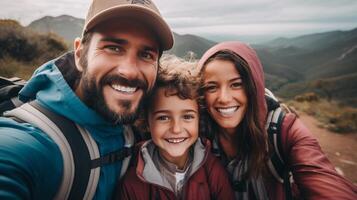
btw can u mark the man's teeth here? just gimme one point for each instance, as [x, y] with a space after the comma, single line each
[123, 88]
[175, 141]
[227, 111]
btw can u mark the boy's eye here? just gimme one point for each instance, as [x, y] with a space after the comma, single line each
[188, 117]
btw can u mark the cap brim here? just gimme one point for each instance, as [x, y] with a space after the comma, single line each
[142, 14]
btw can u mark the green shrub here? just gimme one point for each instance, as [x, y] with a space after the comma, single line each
[22, 50]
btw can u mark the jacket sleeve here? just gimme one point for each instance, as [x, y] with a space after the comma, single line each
[30, 163]
[313, 173]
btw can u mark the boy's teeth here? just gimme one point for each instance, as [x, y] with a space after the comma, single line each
[123, 88]
[178, 140]
[227, 111]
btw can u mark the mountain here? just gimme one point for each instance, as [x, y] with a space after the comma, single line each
[70, 27]
[329, 58]
[190, 43]
[22, 49]
[291, 65]
[66, 26]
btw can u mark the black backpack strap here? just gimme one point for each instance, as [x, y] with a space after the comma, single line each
[9, 89]
[112, 157]
[79, 149]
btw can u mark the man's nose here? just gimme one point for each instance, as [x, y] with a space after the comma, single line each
[128, 67]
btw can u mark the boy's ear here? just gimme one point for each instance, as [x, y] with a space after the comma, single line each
[78, 50]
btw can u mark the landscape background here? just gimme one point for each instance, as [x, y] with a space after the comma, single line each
[314, 72]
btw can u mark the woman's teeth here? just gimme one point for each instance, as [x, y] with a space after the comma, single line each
[227, 111]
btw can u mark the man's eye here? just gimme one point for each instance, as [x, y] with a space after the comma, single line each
[113, 48]
[147, 56]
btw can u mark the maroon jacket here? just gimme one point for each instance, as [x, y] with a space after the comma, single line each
[314, 175]
[210, 181]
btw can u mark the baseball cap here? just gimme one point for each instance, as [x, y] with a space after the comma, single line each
[144, 11]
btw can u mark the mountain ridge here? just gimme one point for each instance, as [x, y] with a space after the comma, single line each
[288, 62]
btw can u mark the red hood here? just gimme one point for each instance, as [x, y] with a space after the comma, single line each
[250, 56]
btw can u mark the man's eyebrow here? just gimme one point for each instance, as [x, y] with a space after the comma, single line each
[124, 42]
[114, 40]
[150, 48]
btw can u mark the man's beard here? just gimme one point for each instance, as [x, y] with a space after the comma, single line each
[93, 97]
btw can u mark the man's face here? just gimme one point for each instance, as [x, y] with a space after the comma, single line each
[118, 70]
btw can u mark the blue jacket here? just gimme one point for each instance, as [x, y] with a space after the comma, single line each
[30, 162]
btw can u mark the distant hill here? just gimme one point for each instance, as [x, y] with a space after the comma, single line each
[329, 57]
[22, 50]
[70, 27]
[291, 65]
[66, 26]
[190, 43]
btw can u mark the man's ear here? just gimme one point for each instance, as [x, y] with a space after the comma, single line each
[78, 50]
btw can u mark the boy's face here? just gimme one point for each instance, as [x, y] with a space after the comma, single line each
[173, 124]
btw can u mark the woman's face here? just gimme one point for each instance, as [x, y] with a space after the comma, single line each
[225, 97]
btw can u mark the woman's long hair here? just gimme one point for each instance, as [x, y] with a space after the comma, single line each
[251, 137]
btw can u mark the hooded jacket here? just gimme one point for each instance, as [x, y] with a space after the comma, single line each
[30, 162]
[314, 175]
[206, 180]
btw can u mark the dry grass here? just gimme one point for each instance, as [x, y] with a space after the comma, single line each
[332, 115]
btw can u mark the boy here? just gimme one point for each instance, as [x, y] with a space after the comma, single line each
[175, 163]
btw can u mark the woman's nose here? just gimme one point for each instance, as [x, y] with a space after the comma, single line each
[224, 96]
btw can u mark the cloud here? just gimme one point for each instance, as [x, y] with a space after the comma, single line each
[235, 17]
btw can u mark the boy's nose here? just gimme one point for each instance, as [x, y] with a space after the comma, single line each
[176, 126]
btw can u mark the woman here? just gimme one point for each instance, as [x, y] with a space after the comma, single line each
[233, 91]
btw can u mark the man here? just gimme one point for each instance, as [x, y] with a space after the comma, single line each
[99, 86]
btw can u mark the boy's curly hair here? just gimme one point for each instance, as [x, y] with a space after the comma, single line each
[178, 76]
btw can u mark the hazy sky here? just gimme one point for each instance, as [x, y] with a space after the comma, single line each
[215, 18]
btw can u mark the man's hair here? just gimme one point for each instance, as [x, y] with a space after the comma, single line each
[179, 77]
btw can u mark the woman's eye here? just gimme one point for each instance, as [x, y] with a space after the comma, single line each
[237, 85]
[162, 118]
[210, 88]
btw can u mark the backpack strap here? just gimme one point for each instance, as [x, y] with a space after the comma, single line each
[78, 149]
[130, 140]
[273, 127]
[277, 165]
[72, 146]
[9, 89]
